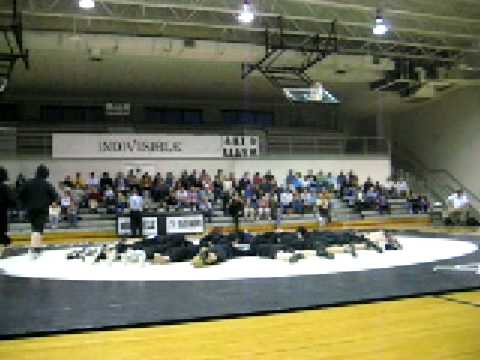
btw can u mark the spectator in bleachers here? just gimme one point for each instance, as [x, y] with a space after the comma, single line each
[322, 180]
[147, 182]
[54, 213]
[323, 204]
[383, 205]
[371, 199]
[205, 207]
[244, 182]
[20, 181]
[269, 177]
[72, 213]
[169, 179]
[341, 182]
[458, 207]
[309, 200]
[94, 199]
[260, 194]
[332, 182]
[132, 179]
[110, 199]
[160, 191]
[352, 179]
[257, 179]
[67, 182]
[402, 188]
[181, 196]
[105, 181]
[157, 178]
[297, 204]
[78, 182]
[122, 202]
[367, 185]
[65, 201]
[264, 212]
[92, 181]
[120, 183]
[286, 198]
[290, 178]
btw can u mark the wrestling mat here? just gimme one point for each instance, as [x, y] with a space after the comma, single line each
[54, 295]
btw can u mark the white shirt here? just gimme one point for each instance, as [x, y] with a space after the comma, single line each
[402, 186]
[92, 181]
[459, 202]
[54, 211]
[136, 202]
[286, 198]
[227, 185]
[65, 201]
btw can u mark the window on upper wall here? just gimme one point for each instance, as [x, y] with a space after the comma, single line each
[247, 117]
[72, 113]
[8, 112]
[174, 116]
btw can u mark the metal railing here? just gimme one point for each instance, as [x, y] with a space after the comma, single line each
[37, 142]
[329, 145]
[440, 183]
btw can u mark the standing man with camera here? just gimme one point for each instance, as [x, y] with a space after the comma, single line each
[36, 196]
[7, 201]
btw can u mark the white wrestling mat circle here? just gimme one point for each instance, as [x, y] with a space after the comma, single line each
[52, 264]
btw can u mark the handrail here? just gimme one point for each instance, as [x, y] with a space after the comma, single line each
[426, 169]
[459, 183]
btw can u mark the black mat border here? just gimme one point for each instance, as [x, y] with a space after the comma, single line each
[226, 316]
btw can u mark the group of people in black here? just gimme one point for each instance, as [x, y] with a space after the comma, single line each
[217, 247]
[35, 195]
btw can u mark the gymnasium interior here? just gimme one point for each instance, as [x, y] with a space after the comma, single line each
[239, 179]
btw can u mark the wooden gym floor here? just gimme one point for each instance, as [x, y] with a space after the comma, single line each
[435, 327]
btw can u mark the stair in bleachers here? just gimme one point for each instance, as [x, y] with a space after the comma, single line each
[370, 213]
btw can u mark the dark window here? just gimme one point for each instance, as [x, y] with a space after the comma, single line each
[72, 113]
[8, 112]
[247, 117]
[173, 116]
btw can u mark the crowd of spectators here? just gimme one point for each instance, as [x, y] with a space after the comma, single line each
[252, 196]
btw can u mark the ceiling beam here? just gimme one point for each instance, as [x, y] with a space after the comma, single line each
[312, 19]
[233, 26]
[388, 11]
[320, 3]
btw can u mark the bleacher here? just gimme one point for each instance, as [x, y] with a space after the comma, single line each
[340, 212]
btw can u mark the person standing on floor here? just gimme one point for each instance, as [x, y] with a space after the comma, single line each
[36, 196]
[236, 210]
[136, 208]
[7, 201]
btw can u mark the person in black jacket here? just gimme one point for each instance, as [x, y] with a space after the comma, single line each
[7, 201]
[36, 196]
[236, 209]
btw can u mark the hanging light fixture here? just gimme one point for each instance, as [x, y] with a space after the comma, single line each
[86, 4]
[380, 27]
[246, 14]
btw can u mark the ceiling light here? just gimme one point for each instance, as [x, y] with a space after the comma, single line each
[246, 15]
[380, 27]
[86, 4]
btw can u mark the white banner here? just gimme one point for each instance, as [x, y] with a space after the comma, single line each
[117, 109]
[135, 146]
[185, 224]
